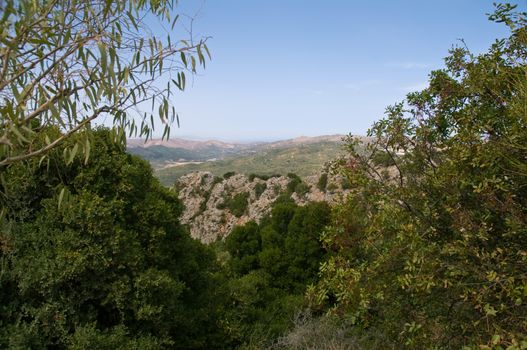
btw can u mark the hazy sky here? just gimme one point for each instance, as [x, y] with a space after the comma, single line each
[285, 68]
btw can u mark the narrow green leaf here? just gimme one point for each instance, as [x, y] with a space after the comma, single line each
[87, 149]
[165, 132]
[61, 196]
[104, 58]
[41, 160]
[207, 50]
[20, 137]
[165, 108]
[160, 112]
[193, 63]
[174, 21]
[200, 56]
[184, 58]
[73, 153]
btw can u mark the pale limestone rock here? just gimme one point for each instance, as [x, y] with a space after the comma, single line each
[202, 193]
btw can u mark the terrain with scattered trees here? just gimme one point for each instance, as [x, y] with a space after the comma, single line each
[428, 251]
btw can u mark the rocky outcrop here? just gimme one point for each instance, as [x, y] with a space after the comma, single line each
[213, 206]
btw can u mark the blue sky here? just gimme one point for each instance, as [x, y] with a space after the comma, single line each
[285, 68]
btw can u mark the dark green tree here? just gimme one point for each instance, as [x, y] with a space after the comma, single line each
[322, 182]
[243, 244]
[94, 255]
[302, 248]
[270, 266]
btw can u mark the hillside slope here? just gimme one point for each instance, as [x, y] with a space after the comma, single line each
[303, 160]
[175, 151]
[213, 205]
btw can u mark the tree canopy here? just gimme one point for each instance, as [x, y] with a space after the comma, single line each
[67, 63]
[430, 249]
[95, 255]
[269, 266]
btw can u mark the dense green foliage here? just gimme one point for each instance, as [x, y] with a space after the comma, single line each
[294, 182]
[262, 177]
[236, 204]
[229, 174]
[269, 267]
[322, 183]
[431, 252]
[259, 188]
[296, 185]
[94, 255]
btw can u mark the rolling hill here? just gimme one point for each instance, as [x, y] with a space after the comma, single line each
[304, 156]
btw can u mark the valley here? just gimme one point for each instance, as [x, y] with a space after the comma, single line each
[303, 156]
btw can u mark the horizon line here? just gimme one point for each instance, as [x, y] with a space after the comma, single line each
[237, 140]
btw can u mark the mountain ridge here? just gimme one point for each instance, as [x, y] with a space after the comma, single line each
[304, 155]
[180, 143]
[197, 144]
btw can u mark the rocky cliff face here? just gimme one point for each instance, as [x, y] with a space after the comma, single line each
[215, 205]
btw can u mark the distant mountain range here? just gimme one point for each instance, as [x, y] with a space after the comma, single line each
[302, 155]
[185, 144]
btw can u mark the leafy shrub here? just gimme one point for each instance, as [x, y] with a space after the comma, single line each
[283, 198]
[236, 204]
[271, 264]
[243, 244]
[296, 185]
[322, 182]
[429, 256]
[203, 180]
[259, 188]
[331, 187]
[229, 174]
[203, 204]
[302, 189]
[345, 183]
[216, 180]
[383, 158]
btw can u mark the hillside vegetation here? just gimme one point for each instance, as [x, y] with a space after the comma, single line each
[433, 255]
[302, 159]
[161, 156]
[162, 153]
[94, 257]
[215, 205]
[428, 250]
